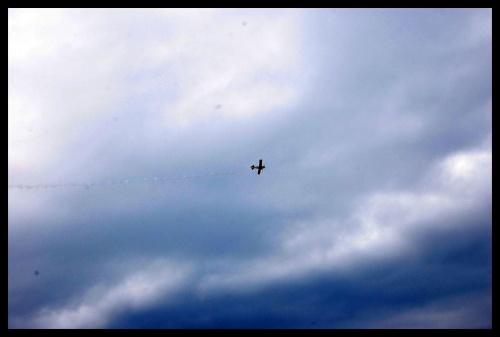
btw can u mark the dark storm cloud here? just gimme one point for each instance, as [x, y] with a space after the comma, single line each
[373, 296]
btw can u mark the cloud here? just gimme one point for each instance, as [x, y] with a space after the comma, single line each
[466, 311]
[217, 61]
[154, 282]
[374, 209]
[382, 225]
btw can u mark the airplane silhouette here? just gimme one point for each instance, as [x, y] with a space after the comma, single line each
[260, 167]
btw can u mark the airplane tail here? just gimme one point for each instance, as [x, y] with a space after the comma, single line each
[252, 167]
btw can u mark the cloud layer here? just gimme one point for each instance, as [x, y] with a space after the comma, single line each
[374, 210]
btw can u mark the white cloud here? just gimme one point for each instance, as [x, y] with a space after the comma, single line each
[71, 70]
[63, 74]
[220, 61]
[380, 226]
[150, 283]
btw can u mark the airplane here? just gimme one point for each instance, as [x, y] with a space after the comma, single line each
[260, 167]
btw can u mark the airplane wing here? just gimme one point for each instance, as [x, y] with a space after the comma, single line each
[260, 166]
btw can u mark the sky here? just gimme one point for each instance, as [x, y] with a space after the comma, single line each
[132, 205]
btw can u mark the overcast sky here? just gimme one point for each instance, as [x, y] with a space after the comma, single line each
[131, 202]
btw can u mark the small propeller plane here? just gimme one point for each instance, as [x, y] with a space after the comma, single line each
[260, 167]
